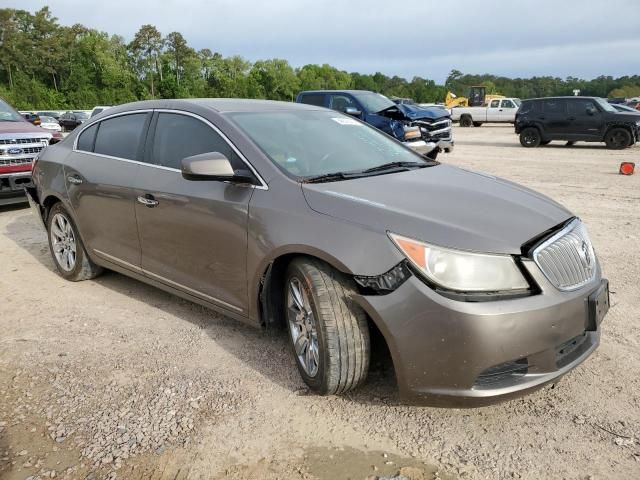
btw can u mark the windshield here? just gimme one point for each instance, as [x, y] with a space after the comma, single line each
[311, 143]
[373, 102]
[8, 114]
[605, 105]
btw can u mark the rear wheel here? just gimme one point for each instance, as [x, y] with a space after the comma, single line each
[66, 247]
[328, 331]
[466, 121]
[530, 137]
[618, 138]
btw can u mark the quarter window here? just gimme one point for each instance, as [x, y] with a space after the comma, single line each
[87, 137]
[121, 136]
[180, 136]
[316, 99]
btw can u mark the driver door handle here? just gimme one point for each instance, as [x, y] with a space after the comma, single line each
[148, 201]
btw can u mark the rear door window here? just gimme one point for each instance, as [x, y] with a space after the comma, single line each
[316, 99]
[121, 136]
[554, 106]
[179, 136]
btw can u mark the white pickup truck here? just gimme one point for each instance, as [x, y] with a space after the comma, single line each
[499, 110]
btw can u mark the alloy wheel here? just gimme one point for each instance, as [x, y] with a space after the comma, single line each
[63, 242]
[302, 325]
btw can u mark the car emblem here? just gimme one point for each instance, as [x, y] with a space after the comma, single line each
[14, 151]
[585, 254]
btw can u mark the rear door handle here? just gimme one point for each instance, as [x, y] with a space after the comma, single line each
[148, 201]
[75, 179]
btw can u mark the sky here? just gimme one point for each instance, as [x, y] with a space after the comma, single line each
[425, 38]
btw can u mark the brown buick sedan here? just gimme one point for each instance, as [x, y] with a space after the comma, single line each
[283, 213]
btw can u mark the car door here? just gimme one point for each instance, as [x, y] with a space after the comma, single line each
[493, 111]
[507, 112]
[554, 119]
[193, 234]
[99, 174]
[585, 119]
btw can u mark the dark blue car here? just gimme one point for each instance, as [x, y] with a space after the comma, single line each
[425, 129]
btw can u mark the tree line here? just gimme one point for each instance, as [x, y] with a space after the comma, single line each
[46, 65]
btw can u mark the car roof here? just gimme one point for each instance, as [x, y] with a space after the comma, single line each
[220, 105]
[561, 98]
[353, 92]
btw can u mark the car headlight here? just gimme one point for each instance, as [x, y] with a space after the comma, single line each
[462, 271]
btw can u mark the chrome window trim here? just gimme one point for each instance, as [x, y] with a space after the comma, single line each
[263, 185]
[552, 239]
[162, 279]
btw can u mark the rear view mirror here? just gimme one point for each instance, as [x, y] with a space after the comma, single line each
[213, 166]
[352, 111]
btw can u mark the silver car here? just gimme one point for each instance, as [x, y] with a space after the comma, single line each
[289, 214]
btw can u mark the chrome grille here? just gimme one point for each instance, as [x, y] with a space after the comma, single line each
[19, 141]
[15, 161]
[26, 150]
[567, 258]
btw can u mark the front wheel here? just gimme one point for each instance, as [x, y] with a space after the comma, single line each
[328, 331]
[530, 137]
[618, 138]
[66, 247]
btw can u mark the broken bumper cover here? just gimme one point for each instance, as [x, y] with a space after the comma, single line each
[12, 187]
[453, 353]
[421, 146]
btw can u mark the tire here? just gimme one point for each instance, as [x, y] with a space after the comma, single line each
[433, 154]
[545, 142]
[618, 138]
[466, 121]
[530, 137]
[63, 234]
[342, 344]
[477, 124]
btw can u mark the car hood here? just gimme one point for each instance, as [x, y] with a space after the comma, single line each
[414, 112]
[442, 205]
[21, 127]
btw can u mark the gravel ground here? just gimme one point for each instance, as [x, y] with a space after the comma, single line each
[115, 379]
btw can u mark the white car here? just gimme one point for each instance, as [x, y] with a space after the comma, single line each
[50, 123]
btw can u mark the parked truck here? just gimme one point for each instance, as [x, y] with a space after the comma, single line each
[20, 142]
[498, 110]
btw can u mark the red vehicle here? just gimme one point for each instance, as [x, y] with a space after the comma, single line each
[20, 142]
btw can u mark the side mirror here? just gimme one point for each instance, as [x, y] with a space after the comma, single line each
[352, 111]
[591, 110]
[213, 166]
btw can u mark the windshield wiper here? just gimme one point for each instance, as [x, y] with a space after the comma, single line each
[400, 166]
[331, 177]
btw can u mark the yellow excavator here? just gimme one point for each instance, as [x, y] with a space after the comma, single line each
[477, 98]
